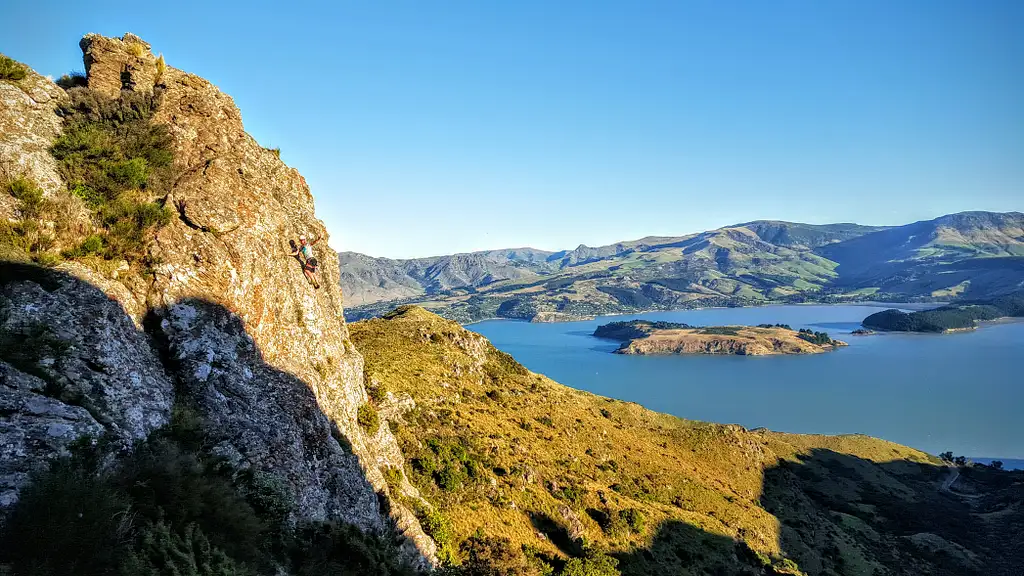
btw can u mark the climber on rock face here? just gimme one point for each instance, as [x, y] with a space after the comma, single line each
[304, 254]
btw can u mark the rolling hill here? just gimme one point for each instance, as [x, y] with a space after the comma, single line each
[975, 254]
[524, 472]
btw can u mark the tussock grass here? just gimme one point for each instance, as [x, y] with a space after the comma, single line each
[493, 447]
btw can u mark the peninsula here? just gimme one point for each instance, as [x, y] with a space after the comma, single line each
[952, 318]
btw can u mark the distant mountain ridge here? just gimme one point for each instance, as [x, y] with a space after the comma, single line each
[977, 254]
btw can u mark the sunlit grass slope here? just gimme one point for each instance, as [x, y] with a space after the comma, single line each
[504, 452]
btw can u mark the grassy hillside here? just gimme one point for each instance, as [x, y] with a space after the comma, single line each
[534, 472]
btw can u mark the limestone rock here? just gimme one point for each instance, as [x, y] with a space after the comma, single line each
[225, 313]
[104, 363]
[115, 64]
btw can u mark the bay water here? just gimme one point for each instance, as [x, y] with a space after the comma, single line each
[936, 392]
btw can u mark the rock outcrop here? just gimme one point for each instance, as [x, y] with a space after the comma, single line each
[94, 372]
[28, 127]
[262, 357]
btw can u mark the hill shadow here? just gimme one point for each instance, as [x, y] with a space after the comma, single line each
[254, 417]
[844, 515]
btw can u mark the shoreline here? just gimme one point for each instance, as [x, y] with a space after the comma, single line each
[873, 304]
[979, 324]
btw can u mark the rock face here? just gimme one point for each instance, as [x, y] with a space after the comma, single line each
[734, 340]
[263, 357]
[94, 370]
[27, 128]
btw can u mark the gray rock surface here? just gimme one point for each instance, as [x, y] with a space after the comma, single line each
[33, 429]
[95, 372]
[28, 127]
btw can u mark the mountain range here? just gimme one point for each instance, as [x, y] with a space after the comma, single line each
[969, 254]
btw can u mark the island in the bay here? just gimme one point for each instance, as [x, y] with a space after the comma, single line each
[952, 318]
[644, 337]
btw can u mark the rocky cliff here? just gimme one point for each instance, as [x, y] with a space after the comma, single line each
[217, 317]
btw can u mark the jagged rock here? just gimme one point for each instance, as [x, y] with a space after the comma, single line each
[105, 364]
[266, 418]
[114, 64]
[573, 526]
[395, 406]
[96, 373]
[33, 429]
[28, 127]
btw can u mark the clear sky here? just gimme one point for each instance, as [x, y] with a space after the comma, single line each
[428, 127]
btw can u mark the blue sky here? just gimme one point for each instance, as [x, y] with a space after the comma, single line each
[431, 127]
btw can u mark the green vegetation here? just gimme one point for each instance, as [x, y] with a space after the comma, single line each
[783, 326]
[524, 476]
[168, 507]
[631, 329]
[117, 165]
[440, 529]
[26, 238]
[445, 465]
[72, 80]
[819, 338]
[720, 330]
[493, 556]
[959, 316]
[368, 418]
[11, 69]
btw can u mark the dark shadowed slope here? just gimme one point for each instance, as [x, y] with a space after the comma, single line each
[796, 235]
[983, 250]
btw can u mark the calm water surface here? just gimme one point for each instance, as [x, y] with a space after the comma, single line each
[962, 392]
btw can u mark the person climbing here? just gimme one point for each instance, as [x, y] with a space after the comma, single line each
[304, 254]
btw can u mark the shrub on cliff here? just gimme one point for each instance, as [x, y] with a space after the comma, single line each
[72, 80]
[26, 238]
[440, 529]
[324, 549]
[593, 563]
[120, 164]
[368, 418]
[11, 69]
[494, 556]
